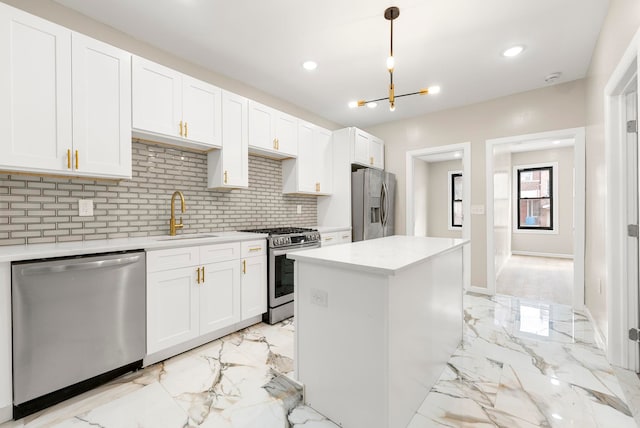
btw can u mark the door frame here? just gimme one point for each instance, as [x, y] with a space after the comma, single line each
[622, 307]
[578, 136]
[411, 157]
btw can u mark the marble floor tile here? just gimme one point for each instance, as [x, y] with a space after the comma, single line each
[522, 364]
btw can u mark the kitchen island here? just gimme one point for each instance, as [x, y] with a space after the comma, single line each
[376, 322]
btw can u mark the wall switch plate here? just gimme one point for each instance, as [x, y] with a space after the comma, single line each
[319, 297]
[85, 207]
[299, 209]
[477, 209]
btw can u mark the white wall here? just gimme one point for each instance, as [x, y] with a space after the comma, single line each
[502, 185]
[420, 201]
[438, 199]
[560, 243]
[620, 25]
[559, 106]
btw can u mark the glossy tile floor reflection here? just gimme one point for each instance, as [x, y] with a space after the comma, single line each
[522, 363]
[538, 278]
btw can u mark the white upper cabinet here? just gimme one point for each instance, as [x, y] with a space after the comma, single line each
[228, 168]
[64, 100]
[366, 149]
[272, 133]
[101, 108]
[174, 108]
[311, 171]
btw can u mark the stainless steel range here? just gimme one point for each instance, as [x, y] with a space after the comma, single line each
[283, 240]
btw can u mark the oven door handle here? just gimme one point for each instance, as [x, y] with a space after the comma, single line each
[283, 251]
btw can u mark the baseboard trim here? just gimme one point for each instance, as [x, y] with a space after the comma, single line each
[6, 413]
[550, 255]
[599, 337]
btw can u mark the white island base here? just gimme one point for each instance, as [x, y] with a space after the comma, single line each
[376, 322]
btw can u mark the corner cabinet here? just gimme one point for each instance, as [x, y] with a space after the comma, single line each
[171, 107]
[272, 133]
[65, 100]
[311, 172]
[366, 149]
[229, 167]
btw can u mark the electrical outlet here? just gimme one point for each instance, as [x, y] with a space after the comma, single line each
[299, 209]
[319, 297]
[85, 207]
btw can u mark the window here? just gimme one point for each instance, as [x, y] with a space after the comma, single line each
[535, 198]
[455, 199]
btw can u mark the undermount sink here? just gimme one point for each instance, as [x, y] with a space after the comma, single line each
[188, 236]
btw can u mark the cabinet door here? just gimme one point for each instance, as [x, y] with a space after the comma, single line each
[172, 308]
[219, 296]
[201, 111]
[35, 93]
[254, 286]
[157, 98]
[235, 157]
[376, 153]
[261, 126]
[286, 134]
[101, 108]
[307, 162]
[323, 155]
[361, 148]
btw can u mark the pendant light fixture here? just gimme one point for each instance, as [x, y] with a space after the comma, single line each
[390, 14]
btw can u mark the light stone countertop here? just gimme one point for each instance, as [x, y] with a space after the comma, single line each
[62, 249]
[329, 229]
[384, 256]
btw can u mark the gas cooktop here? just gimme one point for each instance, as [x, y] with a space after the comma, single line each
[287, 236]
[281, 230]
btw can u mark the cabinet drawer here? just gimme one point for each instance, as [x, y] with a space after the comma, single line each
[172, 258]
[344, 236]
[219, 252]
[330, 238]
[254, 248]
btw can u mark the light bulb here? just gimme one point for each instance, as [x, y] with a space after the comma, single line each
[372, 104]
[391, 62]
[392, 107]
[434, 89]
[353, 104]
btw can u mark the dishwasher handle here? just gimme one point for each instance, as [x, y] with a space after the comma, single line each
[79, 266]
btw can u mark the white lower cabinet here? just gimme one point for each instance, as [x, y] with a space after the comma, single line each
[254, 278]
[195, 291]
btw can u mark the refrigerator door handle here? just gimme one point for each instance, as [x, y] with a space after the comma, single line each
[384, 204]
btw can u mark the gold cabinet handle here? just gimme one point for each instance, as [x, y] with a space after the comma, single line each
[371, 160]
[275, 143]
[202, 273]
[181, 128]
[346, 236]
[77, 163]
[317, 187]
[198, 280]
[329, 238]
[253, 249]
[244, 266]
[68, 158]
[186, 129]
[226, 176]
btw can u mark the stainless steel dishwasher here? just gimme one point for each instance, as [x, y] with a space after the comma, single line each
[77, 322]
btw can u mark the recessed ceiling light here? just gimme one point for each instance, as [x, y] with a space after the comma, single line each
[372, 104]
[513, 51]
[551, 78]
[310, 65]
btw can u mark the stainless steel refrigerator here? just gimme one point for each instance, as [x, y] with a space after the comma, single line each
[372, 203]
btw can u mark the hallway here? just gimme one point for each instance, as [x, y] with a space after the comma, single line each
[538, 278]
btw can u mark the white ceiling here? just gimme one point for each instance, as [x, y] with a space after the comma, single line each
[456, 44]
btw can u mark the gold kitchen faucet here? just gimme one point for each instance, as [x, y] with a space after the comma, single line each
[172, 222]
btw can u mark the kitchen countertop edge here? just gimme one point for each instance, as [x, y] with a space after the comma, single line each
[12, 253]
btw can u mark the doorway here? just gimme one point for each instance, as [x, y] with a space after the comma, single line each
[508, 228]
[446, 214]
